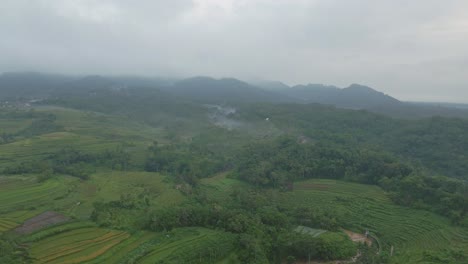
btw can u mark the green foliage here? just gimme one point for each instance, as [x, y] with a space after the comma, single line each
[275, 163]
[11, 253]
[328, 246]
[279, 162]
[185, 163]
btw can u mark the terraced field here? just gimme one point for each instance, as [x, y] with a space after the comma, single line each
[85, 131]
[82, 243]
[13, 125]
[109, 186]
[76, 246]
[6, 224]
[25, 194]
[364, 207]
[197, 245]
[13, 219]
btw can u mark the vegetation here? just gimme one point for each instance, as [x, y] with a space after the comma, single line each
[150, 177]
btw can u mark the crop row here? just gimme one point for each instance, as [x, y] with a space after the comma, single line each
[366, 207]
[77, 245]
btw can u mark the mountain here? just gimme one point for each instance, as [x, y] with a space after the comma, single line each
[269, 85]
[207, 89]
[29, 84]
[360, 97]
[355, 96]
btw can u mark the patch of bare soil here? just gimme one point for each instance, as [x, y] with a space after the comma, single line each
[360, 238]
[40, 221]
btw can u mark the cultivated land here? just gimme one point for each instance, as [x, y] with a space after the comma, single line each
[365, 207]
[411, 232]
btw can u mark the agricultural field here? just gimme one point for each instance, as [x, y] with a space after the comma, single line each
[220, 186]
[76, 246]
[23, 196]
[85, 243]
[85, 131]
[411, 232]
[192, 245]
[111, 185]
[13, 125]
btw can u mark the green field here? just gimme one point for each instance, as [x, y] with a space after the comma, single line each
[25, 194]
[194, 245]
[82, 243]
[409, 231]
[76, 246]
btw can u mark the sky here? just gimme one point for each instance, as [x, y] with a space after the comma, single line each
[413, 50]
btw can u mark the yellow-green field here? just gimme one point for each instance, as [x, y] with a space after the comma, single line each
[75, 243]
[76, 246]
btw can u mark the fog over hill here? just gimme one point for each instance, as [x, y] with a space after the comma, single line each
[31, 85]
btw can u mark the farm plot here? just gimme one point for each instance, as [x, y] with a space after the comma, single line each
[11, 220]
[24, 194]
[109, 186]
[76, 246]
[192, 245]
[40, 221]
[7, 224]
[122, 250]
[80, 242]
[220, 186]
[362, 207]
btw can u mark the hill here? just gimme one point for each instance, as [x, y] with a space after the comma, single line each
[363, 97]
[206, 89]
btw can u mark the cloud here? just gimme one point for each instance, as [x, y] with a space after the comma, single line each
[411, 49]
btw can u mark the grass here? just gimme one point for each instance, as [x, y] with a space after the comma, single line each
[220, 186]
[362, 207]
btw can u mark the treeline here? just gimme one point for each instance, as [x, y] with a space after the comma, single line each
[279, 162]
[73, 162]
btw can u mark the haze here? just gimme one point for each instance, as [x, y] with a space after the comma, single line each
[413, 50]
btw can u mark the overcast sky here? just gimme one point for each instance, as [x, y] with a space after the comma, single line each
[413, 50]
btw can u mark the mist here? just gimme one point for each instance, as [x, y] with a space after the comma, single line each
[414, 50]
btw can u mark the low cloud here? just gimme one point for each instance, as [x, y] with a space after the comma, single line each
[415, 50]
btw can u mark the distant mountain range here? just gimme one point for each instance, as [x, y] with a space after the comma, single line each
[226, 90]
